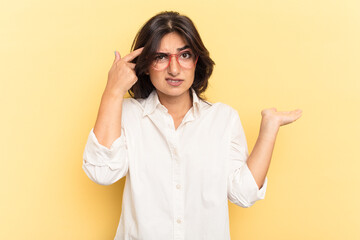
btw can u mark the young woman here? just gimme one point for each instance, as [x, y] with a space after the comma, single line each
[182, 156]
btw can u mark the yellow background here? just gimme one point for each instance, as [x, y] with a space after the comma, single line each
[55, 56]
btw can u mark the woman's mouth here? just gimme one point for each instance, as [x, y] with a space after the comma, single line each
[174, 82]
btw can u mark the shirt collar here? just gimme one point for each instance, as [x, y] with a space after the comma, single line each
[152, 102]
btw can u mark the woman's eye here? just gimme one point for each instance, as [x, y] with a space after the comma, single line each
[186, 55]
[160, 57]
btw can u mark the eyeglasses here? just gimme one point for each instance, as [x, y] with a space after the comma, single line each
[185, 58]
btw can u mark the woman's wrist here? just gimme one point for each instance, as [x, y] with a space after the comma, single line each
[114, 96]
[269, 128]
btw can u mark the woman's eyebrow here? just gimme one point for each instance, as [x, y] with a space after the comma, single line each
[179, 49]
[182, 48]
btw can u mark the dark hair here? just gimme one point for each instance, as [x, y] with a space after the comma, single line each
[149, 37]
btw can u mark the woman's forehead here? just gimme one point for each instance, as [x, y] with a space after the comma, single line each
[172, 42]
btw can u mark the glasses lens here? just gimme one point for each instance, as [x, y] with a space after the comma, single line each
[185, 59]
[161, 61]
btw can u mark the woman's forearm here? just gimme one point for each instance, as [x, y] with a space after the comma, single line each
[108, 123]
[260, 157]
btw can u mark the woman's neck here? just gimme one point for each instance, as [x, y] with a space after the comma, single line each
[177, 106]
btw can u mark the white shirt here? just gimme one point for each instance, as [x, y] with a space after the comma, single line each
[178, 182]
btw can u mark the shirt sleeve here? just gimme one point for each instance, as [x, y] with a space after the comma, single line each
[242, 188]
[105, 165]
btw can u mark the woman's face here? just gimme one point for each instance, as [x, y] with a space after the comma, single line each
[175, 80]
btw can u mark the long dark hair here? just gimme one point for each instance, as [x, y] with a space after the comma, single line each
[149, 37]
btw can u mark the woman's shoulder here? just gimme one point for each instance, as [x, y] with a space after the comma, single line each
[129, 101]
[131, 108]
[222, 108]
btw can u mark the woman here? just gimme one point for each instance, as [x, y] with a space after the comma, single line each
[182, 156]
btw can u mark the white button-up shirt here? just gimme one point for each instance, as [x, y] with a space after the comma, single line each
[178, 181]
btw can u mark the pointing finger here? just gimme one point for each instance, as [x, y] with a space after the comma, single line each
[117, 56]
[133, 55]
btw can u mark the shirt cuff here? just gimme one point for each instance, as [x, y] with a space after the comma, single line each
[99, 155]
[252, 187]
[243, 188]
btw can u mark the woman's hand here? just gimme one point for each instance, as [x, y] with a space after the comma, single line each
[278, 118]
[121, 76]
[272, 120]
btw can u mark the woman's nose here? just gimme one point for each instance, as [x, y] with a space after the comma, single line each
[174, 67]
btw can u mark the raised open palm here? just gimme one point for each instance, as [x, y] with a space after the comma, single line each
[281, 117]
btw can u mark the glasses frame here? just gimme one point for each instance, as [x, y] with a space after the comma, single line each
[177, 59]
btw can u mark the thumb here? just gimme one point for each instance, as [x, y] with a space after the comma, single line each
[117, 56]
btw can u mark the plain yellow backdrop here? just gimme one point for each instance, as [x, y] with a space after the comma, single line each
[55, 56]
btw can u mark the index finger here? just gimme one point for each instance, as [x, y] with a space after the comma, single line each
[133, 55]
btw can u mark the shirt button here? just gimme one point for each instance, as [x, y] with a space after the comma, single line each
[178, 221]
[178, 186]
